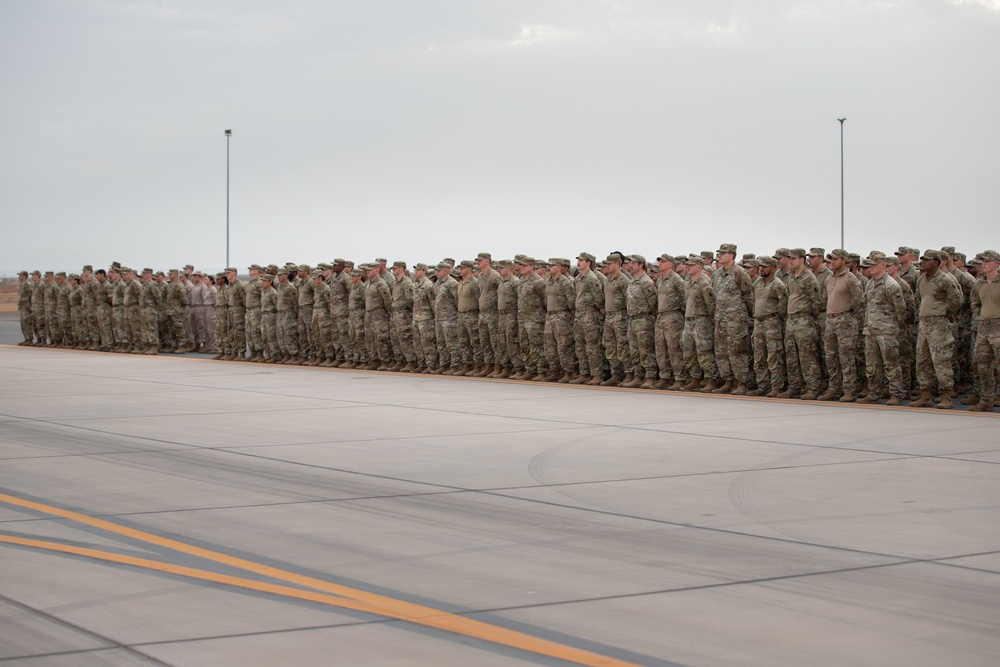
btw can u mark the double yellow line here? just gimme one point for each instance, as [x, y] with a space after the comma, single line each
[323, 592]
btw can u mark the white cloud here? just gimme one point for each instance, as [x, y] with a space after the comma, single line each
[533, 34]
[988, 4]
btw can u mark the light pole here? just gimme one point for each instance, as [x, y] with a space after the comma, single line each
[841, 181]
[229, 134]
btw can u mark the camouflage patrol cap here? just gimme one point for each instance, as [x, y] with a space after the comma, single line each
[613, 257]
[989, 256]
[160, 273]
[443, 266]
[255, 267]
[147, 270]
[315, 273]
[74, 276]
[752, 263]
[766, 260]
[399, 264]
[796, 253]
[949, 249]
[932, 254]
[748, 255]
[638, 258]
[61, 274]
[959, 256]
[127, 269]
[853, 257]
[587, 256]
[172, 271]
[322, 266]
[304, 267]
[484, 255]
[654, 268]
[876, 257]
[866, 263]
[189, 266]
[540, 264]
[505, 264]
[292, 265]
[49, 273]
[419, 266]
[839, 253]
[88, 267]
[116, 265]
[554, 261]
[22, 273]
[339, 261]
[365, 266]
[817, 252]
[272, 267]
[282, 271]
[564, 261]
[357, 271]
[695, 260]
[449, 260]
[666, 258]
[197, 274]
[518, 257]
[727, 247]
[466, 264]
[232, 269]
[708, 254]
[891, 260]
[348, 264]
[220, 274]
[267, 277]
[781, 252]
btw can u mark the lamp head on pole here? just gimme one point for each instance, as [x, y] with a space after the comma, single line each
[840, 119]
[229, 133]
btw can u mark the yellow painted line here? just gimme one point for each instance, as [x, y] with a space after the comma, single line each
[343, 596]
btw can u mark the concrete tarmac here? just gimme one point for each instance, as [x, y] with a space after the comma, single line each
[173, 510]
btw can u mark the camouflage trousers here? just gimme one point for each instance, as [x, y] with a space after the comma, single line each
[209, 327]
[425, 343]
[288, 332]
[322, 332]
[306, 343]
[821, 349]
[118, 328]
[105, 335]
[468, 337]
[587, 339]
[615, 339]
[802, 354]
[27, 323]
[962, 361]
[150, 323]
[356, 332]
[66, 328]
[907, 356]
[222, 329]
[93, 328]
[732, 347]
[935, 349]
[39, 330]
[402, 336]
[882, 360]
[841, 343]
[489, 335]
[667, 341]
[255, 331]
[508, 341]
[448, 347]
[133, 327]
[769, 353]
[175, 328]
[859, 354]
[560, 350]
[52, 326]
[340, 320]
[377, 335]
[269, 335]
[641, 345]
[531, 334]
[237, 331]
[987, 358]
[698, 346]
[191, 324]
[79, 327]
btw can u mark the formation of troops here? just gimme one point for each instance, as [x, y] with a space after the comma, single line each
[923, 328]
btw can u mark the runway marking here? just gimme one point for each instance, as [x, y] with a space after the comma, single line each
[331, 593]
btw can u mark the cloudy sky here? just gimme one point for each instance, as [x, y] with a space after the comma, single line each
[418, 129]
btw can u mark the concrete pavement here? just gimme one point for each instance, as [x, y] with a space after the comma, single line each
[180, 511]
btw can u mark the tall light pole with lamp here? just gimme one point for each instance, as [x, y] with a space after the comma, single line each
[841, 181]
[229, 134]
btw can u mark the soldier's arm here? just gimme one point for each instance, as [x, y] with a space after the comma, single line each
[899, 303]
[651, 299]
[975, 300]
[857, 294]
[782, 301]
[955, 298]
[746, 287]
[709, 295]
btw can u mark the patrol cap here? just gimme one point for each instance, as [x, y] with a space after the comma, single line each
[727, 247]
[127, 269]
[518, 257]
[564, 261]
[505, 264]
[196, 273]
[466, 264]
[115, 265]
[22, 273]
[147, 270]
[853, 257]
[49, 273]
[315, 273]
[267, 277]
[695, 260]
[554, 261]
[419, 266]
[348, 264]
[88, 267]
[932, 254]
[74, 276]
[322, 266]
[524, 260]
[891, 260]
[540, 264]
[639, 258]
[399, 264]
[443, 265]
[305, 267]
[876, 257]
[173, 271]
[748, 255]
[189, 266]
[959, 256]
[292, 265]
[782, 252]
[484, 255]
[255, 267]
[817, 252]
[36, 272]
[866, 263]
[796, 253]
[232, 269]
[220, 274]
[357, 272]
[449, 260]
[161, 273]
[666, 258]
[339, 261]
[61, 274]
[367, 267]
[766, 260]
[272, 267]
[282, 271]
[990, 256]
[839, 253]
[752, 263]
[906, 250]
[708, 254]
[613, 257]
[949, 249]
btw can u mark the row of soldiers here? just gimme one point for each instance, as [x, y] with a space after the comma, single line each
[794, 324]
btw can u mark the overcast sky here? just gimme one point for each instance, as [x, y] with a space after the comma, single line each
[415, 130]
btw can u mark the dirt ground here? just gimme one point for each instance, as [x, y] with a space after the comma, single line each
[8, 296]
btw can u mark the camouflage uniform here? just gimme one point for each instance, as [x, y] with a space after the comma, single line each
[150, 300]
[670, 327]
[77, 313]
[51, 319]
[698, 340]
[489, 316]
[402, 322]
[846, 298]
[640, 305]
[307, 346]
[560, 301]
[340, 311]
[288, 318]
[885, 311]
[468, 322]
[963, 330]
[269, 322]
[24, 310]
[615, 336]
[133, 315]
[378, 301]
[119, 330]
[446, 323]
[356, 330]
[985, 299]
[176, 302]
[238, 319]
[508, 343]
[254, 328]
[40, 332]
[907, 338]
[531, 323]
[211, 315]
[64, 314]
[802, 338]
[589, 299]
[322, 323]
[938, 300]
[769, 312]
[424, 340]
[734, 302]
